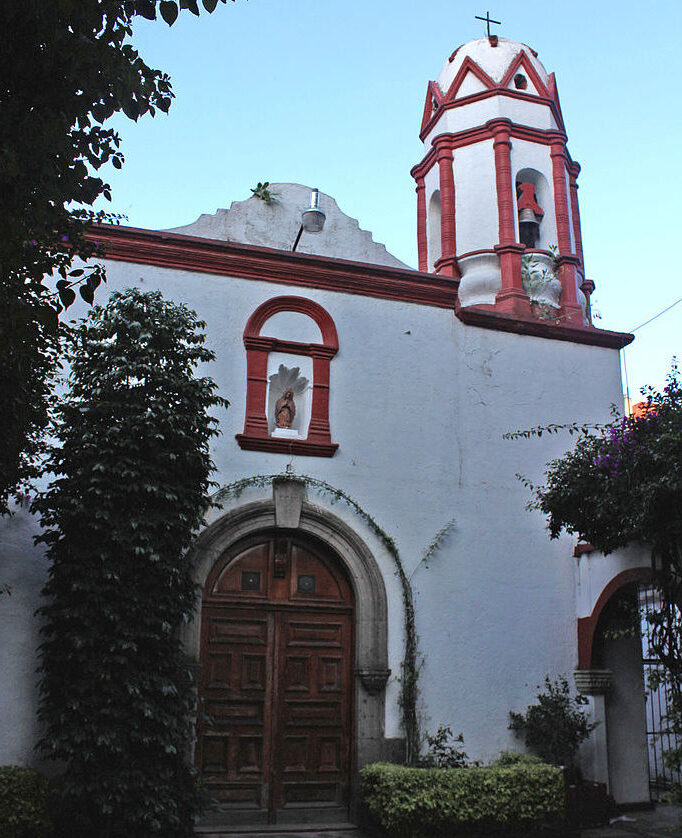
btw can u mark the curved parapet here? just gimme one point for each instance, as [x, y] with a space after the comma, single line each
[276, 223]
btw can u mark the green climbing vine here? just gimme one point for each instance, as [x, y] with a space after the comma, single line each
[433, 547]
[410, 674]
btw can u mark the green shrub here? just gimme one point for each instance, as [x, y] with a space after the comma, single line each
[555, 726]
[24, 797]
[507, 758]
[445, 750]
[461, 801]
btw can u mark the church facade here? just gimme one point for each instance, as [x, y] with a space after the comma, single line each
[369, 497]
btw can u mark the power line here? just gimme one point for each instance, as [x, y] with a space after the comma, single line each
[656, 316]
[622, 352]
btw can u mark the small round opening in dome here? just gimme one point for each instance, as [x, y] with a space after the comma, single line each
[520, 81]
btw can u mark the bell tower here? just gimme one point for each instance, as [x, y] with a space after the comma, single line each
[497, 189]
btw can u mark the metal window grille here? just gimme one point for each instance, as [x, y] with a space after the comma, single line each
[659, 737]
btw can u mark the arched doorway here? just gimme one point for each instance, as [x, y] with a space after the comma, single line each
[610, 671]
[276, 681]
[618, 650]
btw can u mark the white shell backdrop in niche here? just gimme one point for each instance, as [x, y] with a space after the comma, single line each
[289, 377]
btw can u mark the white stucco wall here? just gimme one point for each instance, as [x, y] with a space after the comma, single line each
[23, 569]
[470, 84]
[419, 403]
[594, 571]
[476, 212]
[477, 113]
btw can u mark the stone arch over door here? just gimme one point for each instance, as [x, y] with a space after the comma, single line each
[371, 611]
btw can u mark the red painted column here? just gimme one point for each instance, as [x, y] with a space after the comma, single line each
[318, 429]
[587, 288]
[447, 264]
[422, 242]
[568, 261]
[255, 422]
[574, 171]
[511, 299]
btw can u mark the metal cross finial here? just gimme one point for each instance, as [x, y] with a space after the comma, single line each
[488, 20]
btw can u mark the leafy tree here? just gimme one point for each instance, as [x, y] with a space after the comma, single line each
[66, 66]
[132, 474]
[29, 352]
[623, 485]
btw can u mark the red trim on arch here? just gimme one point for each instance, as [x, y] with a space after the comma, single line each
[301, 305]
[522, 60]
[554, 93]
[587, 626]
[432, 92]
[468, 66]
[256, 435]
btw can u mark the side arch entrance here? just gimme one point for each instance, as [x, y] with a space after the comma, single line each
[276, 684]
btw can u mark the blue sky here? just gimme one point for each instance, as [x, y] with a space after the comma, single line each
[331, 95]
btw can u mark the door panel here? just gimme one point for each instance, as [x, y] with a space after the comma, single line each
[276, 681]
[234, 692]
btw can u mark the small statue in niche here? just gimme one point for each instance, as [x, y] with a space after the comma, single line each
[285, 409]
[286, 379]
[530, 214]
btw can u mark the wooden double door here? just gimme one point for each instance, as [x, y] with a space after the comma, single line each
[276, 683]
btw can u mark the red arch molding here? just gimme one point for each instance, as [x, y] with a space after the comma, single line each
[587, 626]
[256, 436]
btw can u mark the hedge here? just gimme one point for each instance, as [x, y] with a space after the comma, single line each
[412, 802]
[24, 797]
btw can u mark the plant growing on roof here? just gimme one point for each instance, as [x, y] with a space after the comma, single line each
[263, 191]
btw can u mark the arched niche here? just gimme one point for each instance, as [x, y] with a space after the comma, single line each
[265, 354]
[545, 199]
[435, 249]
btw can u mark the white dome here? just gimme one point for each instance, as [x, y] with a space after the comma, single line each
[494, 61]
